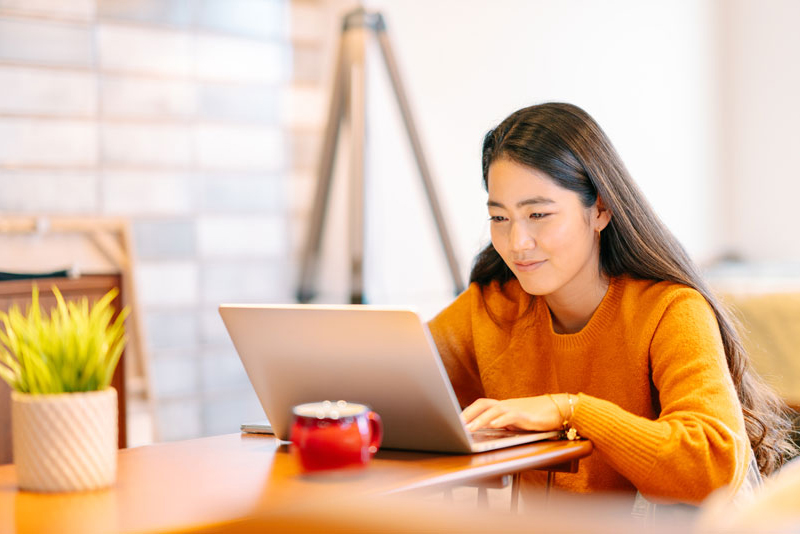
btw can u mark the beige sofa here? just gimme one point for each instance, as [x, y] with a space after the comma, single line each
[770, 328]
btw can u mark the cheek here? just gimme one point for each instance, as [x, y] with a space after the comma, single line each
[497, 240]
[570, 241]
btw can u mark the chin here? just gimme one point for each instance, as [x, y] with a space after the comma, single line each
[535, 287]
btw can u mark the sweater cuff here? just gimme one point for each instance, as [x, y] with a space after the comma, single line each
[629, 442]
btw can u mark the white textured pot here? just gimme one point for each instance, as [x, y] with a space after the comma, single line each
[65, 442]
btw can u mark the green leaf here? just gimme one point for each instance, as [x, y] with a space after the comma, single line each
[75, 348]
[9, 376]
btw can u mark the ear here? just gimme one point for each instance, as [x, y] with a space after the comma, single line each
[601, 215]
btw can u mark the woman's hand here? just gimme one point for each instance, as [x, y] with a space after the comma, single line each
[527, 413]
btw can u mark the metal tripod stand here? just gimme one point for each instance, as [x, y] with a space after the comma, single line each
[348, 102]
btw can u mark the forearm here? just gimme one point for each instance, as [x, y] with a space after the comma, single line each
[683, 457]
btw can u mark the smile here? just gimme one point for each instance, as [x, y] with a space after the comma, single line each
[527, 266]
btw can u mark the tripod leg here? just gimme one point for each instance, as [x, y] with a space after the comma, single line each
[305, 291]
[416, 145]
[356, 48]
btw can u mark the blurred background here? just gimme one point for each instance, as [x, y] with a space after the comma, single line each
[200, 123]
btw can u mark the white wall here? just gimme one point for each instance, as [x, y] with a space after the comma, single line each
[644, 70]
[761, 140]
[169, 114]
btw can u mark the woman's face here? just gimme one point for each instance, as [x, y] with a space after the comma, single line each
[542, 231]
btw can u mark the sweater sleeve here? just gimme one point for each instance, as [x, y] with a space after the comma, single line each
[452, 332]
[698, 443]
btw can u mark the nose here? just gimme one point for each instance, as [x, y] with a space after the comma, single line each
[521, 239]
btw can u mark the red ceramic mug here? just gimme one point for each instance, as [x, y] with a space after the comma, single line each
[333, 435]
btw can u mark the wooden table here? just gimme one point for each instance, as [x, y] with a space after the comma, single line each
[197, 484]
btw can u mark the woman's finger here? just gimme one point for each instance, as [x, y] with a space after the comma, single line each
[486, 417]
[476, 408]
[508, 419]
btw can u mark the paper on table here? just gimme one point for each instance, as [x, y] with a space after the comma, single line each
[257, 427]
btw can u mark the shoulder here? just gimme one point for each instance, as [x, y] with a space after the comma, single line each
[658, 293]
[494, 302]
[653, 300]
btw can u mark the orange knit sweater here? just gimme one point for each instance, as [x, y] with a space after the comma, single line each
[655, 395]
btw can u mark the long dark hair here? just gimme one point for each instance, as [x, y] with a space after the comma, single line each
[564, 142]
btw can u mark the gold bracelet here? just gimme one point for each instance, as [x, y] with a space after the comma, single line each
[572, 433]
[564, 422]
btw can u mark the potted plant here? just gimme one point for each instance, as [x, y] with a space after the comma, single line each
[63, 410]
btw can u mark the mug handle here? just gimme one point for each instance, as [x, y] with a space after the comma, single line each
[376, 432]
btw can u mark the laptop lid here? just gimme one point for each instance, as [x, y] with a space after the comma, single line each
[382, 357]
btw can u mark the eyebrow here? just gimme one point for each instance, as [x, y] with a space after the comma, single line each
[521, 203]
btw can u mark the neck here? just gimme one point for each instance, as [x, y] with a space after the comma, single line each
[572, 307]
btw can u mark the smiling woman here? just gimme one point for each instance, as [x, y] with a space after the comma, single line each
[548, 239]
[585, 314]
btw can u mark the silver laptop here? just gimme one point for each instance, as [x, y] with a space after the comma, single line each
[382, 357]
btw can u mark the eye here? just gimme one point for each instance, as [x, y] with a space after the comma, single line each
[539, 215]
[496, 218]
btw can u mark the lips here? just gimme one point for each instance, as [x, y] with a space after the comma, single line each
[526, 266]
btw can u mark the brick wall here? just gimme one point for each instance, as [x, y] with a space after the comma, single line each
[197, 119]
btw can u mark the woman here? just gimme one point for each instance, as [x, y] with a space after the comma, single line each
[585, 313]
